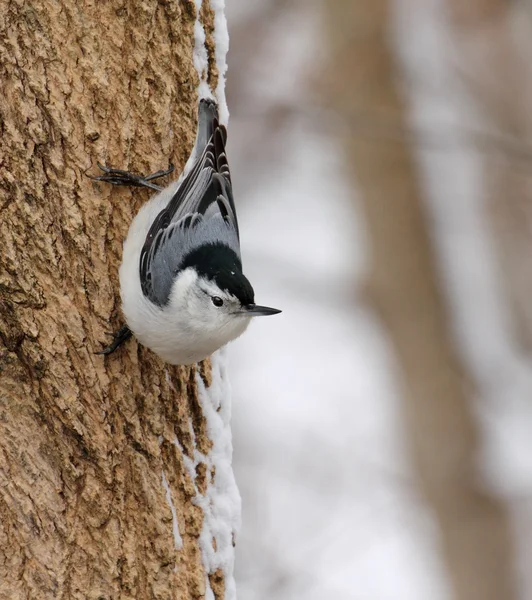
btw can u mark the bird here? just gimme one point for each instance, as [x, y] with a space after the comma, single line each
[184, 294]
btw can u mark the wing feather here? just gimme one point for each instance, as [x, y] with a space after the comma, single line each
[201, 211]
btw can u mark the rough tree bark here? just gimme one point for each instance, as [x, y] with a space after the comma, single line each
[404, 287]
[85, 441]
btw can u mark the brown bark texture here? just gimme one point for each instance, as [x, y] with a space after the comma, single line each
[404, 288]
[84, 439]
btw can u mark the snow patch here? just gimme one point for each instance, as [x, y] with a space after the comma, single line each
[221, 39]
[178, 541]
[201, 57]
[221, 502]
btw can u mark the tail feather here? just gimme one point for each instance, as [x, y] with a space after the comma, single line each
[207, 123]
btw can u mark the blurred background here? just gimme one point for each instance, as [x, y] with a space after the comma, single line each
[383, 423]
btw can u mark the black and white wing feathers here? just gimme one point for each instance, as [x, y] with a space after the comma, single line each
[202, 211]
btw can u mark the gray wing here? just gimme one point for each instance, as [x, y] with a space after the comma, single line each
[202, 211]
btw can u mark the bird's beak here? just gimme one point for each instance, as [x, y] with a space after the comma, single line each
[253, 310]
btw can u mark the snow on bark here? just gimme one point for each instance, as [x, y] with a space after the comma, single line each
[220, 500]
[178, 541]
[221, 36]
[201, 54]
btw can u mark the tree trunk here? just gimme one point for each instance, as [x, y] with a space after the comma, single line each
[496, 68]
[114, 472]
[404, 286]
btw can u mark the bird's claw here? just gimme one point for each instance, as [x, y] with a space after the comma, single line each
[119, 337]
[121, 177]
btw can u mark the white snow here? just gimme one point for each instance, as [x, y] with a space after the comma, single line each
[221, 39]
[178, 541]
[200, 55]
[221, 503]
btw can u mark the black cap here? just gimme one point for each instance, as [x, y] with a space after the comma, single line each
[219, 263]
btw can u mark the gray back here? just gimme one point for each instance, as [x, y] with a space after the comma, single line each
[202, 211]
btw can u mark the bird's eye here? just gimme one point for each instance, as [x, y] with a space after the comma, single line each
[217, 301]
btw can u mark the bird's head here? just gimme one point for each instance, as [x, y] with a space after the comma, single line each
[214, 296]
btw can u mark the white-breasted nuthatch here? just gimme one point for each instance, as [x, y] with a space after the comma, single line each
[183, 291]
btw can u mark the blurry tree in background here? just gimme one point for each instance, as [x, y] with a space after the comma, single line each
[405, 288]
[433, 100]
[492, 42]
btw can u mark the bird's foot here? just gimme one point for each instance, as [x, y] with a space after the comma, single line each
[119, 337]
[120, 177]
